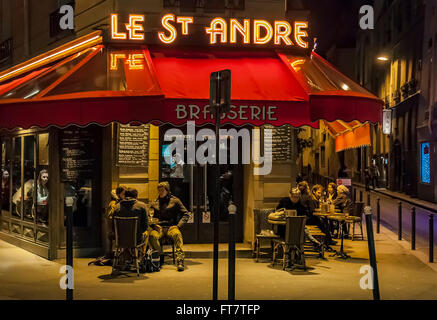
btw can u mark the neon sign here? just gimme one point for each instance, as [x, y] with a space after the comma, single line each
[133, 61]
[219, 30]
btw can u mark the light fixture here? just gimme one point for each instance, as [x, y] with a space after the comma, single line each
[382, 58]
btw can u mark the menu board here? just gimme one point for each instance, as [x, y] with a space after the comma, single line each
[133, 146]
[282, 143]
[78, 159]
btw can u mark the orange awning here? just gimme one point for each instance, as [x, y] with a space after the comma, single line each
[356, 138]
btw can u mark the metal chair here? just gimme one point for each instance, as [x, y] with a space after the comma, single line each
[167, 241]
[263, 230]
[356, 216]
[293, 244]
[126, 242]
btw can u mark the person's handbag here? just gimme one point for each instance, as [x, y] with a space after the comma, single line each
[151, 261]
[278, 215]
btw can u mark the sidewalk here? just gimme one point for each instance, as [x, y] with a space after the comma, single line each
[401, 276]
[389, 218]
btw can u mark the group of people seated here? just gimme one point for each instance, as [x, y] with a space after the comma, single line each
[305, 201]
[169, 213]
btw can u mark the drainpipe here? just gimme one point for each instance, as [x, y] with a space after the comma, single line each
[26, 29]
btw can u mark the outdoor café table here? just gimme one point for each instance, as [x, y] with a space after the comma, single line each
[341, 218]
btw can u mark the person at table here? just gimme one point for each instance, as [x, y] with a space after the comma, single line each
[293, 202]
[314, 203]
[332, 192]
[116, 196]
[305, 196]
[344, 204]
[172, 215]
[130, 206]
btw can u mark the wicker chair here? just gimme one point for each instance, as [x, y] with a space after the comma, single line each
[126, 243]
[263, 231]
[356, 216]
[293, 244]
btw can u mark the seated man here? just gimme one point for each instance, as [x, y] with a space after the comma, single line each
[172, 216]
[131, 207]
[293, 203]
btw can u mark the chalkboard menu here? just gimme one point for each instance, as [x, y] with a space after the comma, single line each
[78, 158]
[282, 143]
[133, 146]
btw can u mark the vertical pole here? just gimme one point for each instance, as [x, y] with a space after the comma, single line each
[69, 242]
[216, 206]
[378, 215]
[413, 228]
[431, 238]
[372, 253]
[355, 194]
[361, 195]
[400, 220]
[368, 198]
[231, 261]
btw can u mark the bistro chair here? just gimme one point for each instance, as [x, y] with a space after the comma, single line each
[356, 216]
[293, 244]
[167, 241]
[126, 243]
[263, 230]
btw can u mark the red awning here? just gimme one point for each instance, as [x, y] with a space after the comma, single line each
[86, 82]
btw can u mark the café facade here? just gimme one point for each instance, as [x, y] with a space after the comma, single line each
[93, 115]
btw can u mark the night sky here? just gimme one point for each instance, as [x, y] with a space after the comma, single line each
[335, 22]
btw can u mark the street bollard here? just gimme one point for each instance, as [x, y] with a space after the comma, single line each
[400, 220]
[232, 209]
[378, 215]
[372, 253]
[431, 238]
[413, 228]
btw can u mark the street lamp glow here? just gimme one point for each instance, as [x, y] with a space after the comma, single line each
[382, 58]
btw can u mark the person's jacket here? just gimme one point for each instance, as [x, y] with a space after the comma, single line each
[287, 204]
[307, 202]
[130, 207]
[343, 203]
[170, 211]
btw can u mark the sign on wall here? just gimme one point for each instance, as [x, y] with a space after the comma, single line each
[425, 163]
[133, 146]
[218, 31]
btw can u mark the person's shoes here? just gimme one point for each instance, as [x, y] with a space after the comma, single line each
[181, 265]
[332, 242]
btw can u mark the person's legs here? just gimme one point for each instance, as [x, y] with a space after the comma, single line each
[311, 238]
[154, 237]
[315, 221]
[176, 236]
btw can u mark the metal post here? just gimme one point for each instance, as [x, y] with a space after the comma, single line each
[400, 220]
[413, 228]
[368, 198]
[217, 209]
[69, 242]
[431, 238]
[361, 195]
[372, 253]
[232, 209]
[378, 216]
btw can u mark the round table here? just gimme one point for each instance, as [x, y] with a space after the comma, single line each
[340, 218]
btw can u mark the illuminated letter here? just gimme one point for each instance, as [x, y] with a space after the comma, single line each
[299, 34]
[185, 21]
[169, 28]
[257, 24]
[213, 31]
[114, 29]
[67, 20]
[133, 27]
[114, 60]
[282, 31]
[245, 32]
[135, 61]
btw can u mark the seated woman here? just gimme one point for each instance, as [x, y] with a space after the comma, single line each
[332, 192]
[293, 202]
[314, 203]
[343, 203]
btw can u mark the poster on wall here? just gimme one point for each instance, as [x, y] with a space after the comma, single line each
[282, 143]
[77, 158]
[133, 146]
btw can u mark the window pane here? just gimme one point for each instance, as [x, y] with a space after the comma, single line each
[6, 181]
[28, 175]
[16, 179]
[43, 144]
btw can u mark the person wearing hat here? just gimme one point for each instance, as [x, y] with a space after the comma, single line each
[172, 215]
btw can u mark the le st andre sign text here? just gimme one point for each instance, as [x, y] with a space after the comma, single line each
[219, 31]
